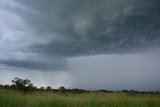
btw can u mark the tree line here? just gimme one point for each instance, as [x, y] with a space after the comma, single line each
[25, 85]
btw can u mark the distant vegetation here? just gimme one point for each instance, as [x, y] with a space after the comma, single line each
[22, 93]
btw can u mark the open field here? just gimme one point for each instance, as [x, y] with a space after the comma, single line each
[10, 98]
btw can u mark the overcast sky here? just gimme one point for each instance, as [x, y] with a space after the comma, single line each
[90, 44]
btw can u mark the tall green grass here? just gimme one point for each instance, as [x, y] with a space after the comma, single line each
[9, 98]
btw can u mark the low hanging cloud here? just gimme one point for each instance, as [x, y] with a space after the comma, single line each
[43, 33]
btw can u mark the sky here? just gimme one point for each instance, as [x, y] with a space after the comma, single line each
[89, 44]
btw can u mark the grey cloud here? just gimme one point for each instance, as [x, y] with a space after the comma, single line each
[62, 29]
[93, 27]
[116, 72]
[35, 65]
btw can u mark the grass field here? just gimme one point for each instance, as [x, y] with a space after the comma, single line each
[9, 98]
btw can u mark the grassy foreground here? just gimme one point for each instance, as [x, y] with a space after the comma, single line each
[9, 98]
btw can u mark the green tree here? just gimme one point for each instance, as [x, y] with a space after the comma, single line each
[42, 88]
[49, 88]
[23, 84]
[61, 89]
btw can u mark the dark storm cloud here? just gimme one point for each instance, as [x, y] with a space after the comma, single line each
[34, 65]
[58, 29]
[90, 27]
